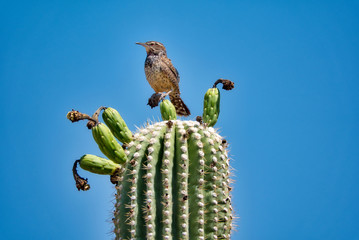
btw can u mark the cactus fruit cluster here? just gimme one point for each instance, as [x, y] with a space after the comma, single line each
[171, 177]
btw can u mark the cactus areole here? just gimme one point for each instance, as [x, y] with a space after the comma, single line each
[171, 177]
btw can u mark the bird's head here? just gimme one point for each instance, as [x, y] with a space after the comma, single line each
[153, 47]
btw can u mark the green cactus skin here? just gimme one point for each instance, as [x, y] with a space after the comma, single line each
[211, 106]
[108, 144]
[117, 125]
[98, 165]
[175, 184]
[168, 110]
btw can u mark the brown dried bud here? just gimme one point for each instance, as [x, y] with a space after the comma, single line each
[227, 84]
[81, 183]
[74, 116]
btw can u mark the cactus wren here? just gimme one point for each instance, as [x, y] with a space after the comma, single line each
[162, 75]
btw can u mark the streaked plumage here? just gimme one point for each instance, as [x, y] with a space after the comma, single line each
[162, 75]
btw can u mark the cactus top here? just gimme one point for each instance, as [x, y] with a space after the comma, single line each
[175, 184]
[172, 177]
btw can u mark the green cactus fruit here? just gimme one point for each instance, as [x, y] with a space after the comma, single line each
[108, 144]
[98, 165]
[117, 125]
[175, 184]
[168, 111]
[211, 106]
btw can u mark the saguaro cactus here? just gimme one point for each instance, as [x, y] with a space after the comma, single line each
[172, 181]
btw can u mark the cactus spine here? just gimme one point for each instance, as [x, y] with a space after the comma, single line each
[173, 182]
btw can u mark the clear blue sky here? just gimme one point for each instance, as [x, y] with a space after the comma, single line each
[292, 120]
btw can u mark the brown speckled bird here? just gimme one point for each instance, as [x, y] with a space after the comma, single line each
[162, 75]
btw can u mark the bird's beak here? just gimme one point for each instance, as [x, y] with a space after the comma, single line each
[142, 44]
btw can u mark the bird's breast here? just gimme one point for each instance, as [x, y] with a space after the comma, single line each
[156, 76]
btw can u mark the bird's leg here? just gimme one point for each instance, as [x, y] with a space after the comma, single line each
[156, 98]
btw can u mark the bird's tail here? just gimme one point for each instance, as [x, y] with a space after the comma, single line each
[181, 108]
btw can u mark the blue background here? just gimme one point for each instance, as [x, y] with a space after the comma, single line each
[292, 120]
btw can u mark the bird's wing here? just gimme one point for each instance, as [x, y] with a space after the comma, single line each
[172, 69]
